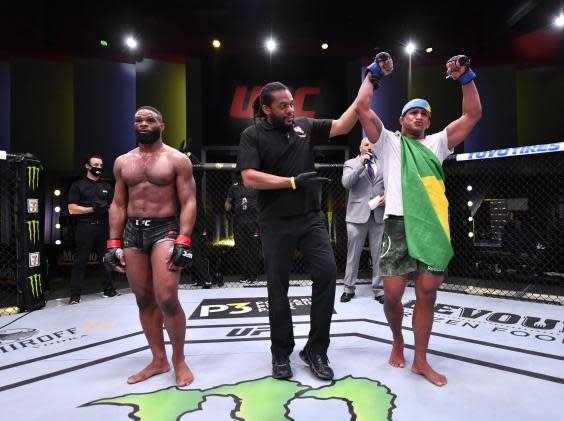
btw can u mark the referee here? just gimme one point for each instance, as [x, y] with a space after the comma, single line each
[89, 200]
[276, 157]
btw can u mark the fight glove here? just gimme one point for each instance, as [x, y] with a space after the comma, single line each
[462, 61]
[181, 254]
[307, 179]
[113, 256]
[375, 70]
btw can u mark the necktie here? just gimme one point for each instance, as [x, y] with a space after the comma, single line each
[370, 171]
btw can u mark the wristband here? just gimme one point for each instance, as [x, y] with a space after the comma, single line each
[293, 183]
[111, 244]
[467, 77]
[185, 240]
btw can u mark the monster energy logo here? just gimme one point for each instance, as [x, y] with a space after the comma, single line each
[35, 284]
[33, 177]
[33, 230]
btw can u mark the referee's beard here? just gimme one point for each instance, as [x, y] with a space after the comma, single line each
[280, 122]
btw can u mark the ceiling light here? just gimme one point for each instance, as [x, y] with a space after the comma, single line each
[410, 48]
[216, 43]
[559, 21]
[429, 49]
[324, 46]
[131, 42]
[270, 45]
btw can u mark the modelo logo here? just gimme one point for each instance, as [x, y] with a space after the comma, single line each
[243, 97]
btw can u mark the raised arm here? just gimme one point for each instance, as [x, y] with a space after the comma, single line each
[458, 69]
[345, 123]
[118, 208]
[383, 65]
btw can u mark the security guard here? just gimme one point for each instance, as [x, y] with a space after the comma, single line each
[276, 157]
[243, 202]
[89, 200]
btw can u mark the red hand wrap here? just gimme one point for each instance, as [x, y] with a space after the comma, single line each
[113, 244]
[184, 240]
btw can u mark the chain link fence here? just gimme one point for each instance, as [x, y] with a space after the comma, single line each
[506, 219]
[8, 238]
[21, 234]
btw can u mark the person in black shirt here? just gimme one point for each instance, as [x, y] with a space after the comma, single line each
[276, 157]
[243, 202]
[89, 200]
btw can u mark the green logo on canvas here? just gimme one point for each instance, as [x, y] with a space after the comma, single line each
[260, 399]
[33, 230]
[33, 177]
[35, 284]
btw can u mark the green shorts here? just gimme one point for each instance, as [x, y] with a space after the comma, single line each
[395, 260]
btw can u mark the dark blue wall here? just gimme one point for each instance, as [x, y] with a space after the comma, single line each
[104, 110]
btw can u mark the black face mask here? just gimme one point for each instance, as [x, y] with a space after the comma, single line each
[96, 172]
[148, 138]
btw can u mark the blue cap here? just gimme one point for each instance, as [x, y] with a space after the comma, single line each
[416, 103]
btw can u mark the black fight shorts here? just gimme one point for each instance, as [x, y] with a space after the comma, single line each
[143, 233]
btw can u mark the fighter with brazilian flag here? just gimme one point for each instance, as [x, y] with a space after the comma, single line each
[416, 212]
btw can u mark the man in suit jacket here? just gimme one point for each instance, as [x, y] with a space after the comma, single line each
[362, 177]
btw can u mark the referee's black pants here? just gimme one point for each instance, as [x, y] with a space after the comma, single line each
[89, 235]
[280, 237]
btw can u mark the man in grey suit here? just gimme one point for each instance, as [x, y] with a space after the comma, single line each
[362, 177]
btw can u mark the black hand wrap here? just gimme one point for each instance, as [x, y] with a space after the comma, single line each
[307, 179]
[113, 255]
[181, 252]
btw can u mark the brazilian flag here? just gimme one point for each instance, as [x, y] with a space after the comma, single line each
[425, 206]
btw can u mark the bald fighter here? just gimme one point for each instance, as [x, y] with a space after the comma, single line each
[150, 180]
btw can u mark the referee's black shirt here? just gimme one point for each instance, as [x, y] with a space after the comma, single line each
[86, 192]
[286, 153]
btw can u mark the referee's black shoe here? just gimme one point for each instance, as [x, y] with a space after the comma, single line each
[318, 363]
[346, 297]
[281, 367]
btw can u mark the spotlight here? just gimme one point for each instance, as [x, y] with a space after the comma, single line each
[270, 45]
[410, 48]
[429, 50]
[324, 46]
[470, 203]
[131, 42]
[469, 188]
[470, 234]
[559, 21]
[216, 43]
[58, 226]
[57, 209]
[58, 242]
[57, 192]
[470, 219]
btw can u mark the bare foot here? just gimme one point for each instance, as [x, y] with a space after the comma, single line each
[184, 375]
[149, 371]
[396, 357]
[430, 374]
